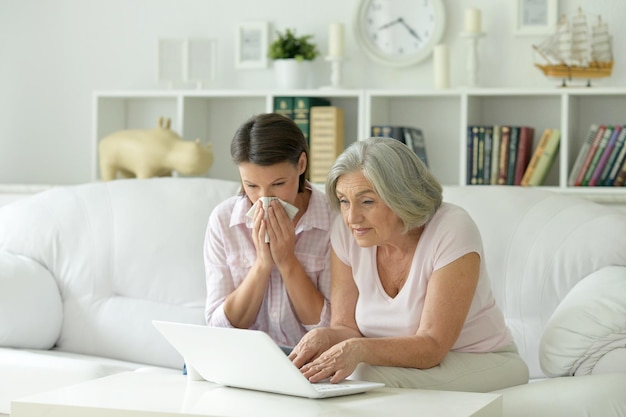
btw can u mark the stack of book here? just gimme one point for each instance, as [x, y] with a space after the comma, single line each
[601, 160]
[503, 155]
[327, 140]
[299, 110]
[411, 136]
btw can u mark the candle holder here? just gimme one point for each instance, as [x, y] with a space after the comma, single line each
[336, 63]
[472, 65]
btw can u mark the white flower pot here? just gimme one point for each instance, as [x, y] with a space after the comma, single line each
[292, 74]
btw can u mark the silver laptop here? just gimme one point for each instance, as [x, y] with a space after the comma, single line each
[248, 359]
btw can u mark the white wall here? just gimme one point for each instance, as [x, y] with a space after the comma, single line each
[53, 54]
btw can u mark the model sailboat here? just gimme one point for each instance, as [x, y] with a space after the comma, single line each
[572, 52]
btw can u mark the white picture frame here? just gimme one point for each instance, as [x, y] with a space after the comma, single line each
[251, 45]
[535, 17]
[200, 60]
[171, 58]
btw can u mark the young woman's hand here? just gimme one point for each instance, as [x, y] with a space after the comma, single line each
[281, 231]
[263, 253]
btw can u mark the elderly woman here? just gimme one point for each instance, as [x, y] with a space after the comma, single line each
[412, 305]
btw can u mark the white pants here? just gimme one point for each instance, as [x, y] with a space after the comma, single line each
[472, 372]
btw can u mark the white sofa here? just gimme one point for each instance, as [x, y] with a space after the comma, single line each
[85, 269]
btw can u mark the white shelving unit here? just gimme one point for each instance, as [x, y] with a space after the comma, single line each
[443, 116]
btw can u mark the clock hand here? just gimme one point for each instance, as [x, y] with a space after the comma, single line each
[410, 29]
[393, 22]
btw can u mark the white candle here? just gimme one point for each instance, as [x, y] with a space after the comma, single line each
[472, 21]
[441, 66]
[335, 40]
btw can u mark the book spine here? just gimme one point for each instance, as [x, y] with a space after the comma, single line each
[503, 165]
[620, 180]
[620, 155]
[418, 144]
[475, 140]
[495, 154]
[582, 153]
[546, 159]
[302, 112]
[524, 148]
[513, 144]
[284, 106]
[469, 155]
[604, 159]
[487, 155]
[480, 174]
[534, 160]
[589, 156]
[597, 155]
[327, 140]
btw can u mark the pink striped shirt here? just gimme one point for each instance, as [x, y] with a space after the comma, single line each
[229, 253]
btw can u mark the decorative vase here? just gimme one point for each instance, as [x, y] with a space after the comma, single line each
[292, 74]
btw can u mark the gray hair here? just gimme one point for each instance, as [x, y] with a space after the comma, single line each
[397, 175]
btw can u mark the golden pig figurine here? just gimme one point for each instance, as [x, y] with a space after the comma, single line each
[145, 153]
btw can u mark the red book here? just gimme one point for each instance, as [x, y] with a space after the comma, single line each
[524, 150]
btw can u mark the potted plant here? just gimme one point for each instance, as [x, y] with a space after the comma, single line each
[292, 57]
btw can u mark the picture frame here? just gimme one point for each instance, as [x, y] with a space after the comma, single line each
[200, 60]
[251, 45]
[171, 58]
[535, 17]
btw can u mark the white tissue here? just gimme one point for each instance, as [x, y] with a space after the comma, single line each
[265, 201]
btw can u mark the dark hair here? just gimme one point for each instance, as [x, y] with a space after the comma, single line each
[267, 139]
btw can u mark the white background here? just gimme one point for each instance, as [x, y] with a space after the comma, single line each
[55, 53]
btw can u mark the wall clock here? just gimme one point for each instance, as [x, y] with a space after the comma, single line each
[399, 33]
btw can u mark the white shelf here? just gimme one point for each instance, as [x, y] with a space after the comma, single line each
[443, 116]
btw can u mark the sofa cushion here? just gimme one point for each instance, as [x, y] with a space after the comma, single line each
[31, 312]
[589, 323]
[584, 396]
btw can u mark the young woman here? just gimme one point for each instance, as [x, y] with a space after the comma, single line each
[282, 286]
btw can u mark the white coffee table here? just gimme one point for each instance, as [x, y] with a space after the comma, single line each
[136, 394]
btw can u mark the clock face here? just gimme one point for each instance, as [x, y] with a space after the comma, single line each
[399, 32]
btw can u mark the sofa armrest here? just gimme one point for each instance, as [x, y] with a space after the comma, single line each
[588, 326]
[31, 311]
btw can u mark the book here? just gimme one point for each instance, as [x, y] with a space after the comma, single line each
[480, 171]
[604, 158]
[593, 146]
[284, 106]
[582, 153]
[617, 149]
[524, 150]
[620, 180]
[619, 159]
[469, 156]
[488, 148]
[416, 141]
[513, 143]
[327, 140]
[608, 131]
[388, 131]
[503, 164]
[534, 159]
[474, 160]
[495, 154]
[546, 159]
[301, 112]
[413, 137]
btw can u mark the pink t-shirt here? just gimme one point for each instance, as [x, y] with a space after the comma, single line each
[450, 234]
[229, 253]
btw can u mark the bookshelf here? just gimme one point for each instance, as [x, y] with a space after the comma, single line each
[443, 116]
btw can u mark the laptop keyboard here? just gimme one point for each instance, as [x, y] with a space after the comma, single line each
[327, 386]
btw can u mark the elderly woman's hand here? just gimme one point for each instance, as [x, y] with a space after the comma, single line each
[312, 345]
[336, 363]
